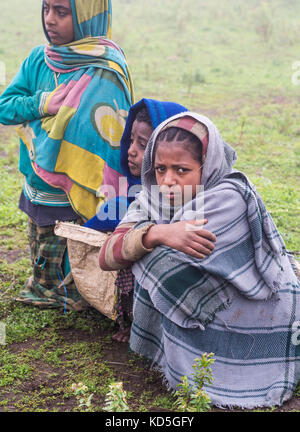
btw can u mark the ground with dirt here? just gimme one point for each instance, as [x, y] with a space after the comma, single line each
[254, 101]
[39, 370]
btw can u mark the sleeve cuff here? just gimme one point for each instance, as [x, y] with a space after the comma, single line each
[133, 247]
[43, 98]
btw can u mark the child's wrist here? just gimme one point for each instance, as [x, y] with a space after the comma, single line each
[152, 237]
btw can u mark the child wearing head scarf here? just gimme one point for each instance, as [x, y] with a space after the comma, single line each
[240, 302]
[143, 118]
[70, 99]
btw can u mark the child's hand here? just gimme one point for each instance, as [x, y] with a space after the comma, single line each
[186, 236]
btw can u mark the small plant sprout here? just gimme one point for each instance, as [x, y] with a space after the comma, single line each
[194, 398]
[183, 395]
[116, 398]
[84, 400]
[203, 372]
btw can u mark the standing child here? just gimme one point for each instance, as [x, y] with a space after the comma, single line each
[241, 302]
[71, 98]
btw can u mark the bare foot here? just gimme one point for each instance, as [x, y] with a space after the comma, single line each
[122, 335]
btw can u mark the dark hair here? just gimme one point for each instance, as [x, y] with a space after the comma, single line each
[143, 116]
[190, 142]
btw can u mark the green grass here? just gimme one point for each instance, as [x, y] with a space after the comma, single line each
[230, 60]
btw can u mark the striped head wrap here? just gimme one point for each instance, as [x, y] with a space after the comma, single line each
[193, 126]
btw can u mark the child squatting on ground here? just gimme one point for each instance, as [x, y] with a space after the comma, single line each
[143, 118]
[239, 302]
[79, 78]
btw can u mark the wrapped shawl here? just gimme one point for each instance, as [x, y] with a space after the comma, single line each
[75, 146]
[241, 303]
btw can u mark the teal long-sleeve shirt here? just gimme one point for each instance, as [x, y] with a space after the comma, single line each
[20, 103]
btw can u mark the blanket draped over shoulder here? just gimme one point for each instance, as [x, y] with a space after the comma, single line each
[242, 303]
[75, 146]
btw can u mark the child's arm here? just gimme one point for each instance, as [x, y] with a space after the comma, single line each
[123, 247]
[17, 103]
[127, 245]
[186, 236]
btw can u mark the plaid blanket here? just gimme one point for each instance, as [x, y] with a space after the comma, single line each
[241, 303]
[257, 363]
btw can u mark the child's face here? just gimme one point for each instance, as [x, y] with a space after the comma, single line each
[58, 21]
[140, 135]
[175, 168]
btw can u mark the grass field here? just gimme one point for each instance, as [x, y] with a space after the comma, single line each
[229, 59]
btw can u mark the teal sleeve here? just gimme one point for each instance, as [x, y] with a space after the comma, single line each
[17, 103]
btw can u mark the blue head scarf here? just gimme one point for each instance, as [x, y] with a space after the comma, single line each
[158, 112]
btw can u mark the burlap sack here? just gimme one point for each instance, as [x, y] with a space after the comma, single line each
[96, 286]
